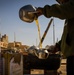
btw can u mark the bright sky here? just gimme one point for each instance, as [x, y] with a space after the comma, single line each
[27, 33]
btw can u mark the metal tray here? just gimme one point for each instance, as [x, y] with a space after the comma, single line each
[32, 62]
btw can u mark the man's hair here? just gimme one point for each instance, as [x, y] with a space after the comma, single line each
[57, 0]
[60, 0]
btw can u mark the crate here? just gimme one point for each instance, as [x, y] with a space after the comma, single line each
[1, 64]
[13, 64]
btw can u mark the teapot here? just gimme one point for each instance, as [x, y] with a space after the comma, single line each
[27, 13]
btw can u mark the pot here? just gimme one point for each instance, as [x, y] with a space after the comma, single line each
[27, 13]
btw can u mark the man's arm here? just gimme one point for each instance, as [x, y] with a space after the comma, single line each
[63, 11]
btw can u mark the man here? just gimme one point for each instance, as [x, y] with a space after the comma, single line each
[63, 10]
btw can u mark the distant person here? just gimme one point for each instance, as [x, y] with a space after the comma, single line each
[63, 10]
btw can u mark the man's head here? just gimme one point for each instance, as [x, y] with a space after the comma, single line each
[62, 1]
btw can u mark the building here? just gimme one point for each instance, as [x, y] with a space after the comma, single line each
[17, 46]
[4, 41]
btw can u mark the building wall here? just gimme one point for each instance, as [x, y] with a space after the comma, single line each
[3, 44]
[4, 38]
[4, 41]
[10, 45]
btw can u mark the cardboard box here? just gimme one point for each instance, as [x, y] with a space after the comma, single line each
[13, 64]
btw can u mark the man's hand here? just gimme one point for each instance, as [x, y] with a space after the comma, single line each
[53, 48]
[40, 11]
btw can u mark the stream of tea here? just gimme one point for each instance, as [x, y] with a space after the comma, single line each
[39, 34]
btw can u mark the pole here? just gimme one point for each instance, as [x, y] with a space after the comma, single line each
[0, 37]
[53, 32]
[36, 42]
[0, 42]
[43, 37]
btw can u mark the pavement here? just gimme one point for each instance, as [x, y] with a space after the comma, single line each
[62, 70]
[63, 67]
